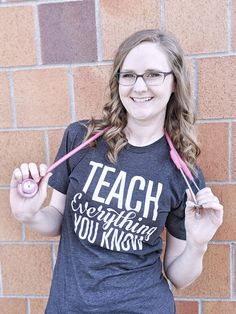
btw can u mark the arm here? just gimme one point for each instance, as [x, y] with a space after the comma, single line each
[183, 259]
[46, 220]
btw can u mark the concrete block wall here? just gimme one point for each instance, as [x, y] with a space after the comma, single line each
[55, 58]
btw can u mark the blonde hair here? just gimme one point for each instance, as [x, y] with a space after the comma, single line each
[180, 117]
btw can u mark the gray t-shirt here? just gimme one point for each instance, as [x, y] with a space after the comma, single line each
[109, 253]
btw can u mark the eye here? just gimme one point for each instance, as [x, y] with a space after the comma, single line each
[127, 75]
[153, 74]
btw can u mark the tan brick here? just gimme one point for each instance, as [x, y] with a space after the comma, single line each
[10, 228]
[186, 307]
[120, 18]
[214, 146]
[26, 269]
[54, 142]
[214, 307]
[215, 278]
[13, 306]
[200, 26]
[19, 147]
[17, 43]
[227, 197]
[91, 90]
[37, 306]
[234, 151]
[217, 90]
[42, 97]
[5, 102]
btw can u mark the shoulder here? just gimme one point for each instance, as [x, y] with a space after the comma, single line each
[77, 128]
[76, 132]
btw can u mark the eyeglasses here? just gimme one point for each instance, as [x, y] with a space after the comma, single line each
[151, 78]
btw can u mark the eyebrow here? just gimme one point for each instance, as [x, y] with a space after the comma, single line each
[147, 70]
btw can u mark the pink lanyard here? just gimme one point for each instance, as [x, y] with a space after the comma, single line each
[28, 188]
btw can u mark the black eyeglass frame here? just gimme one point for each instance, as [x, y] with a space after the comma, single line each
[142, 76]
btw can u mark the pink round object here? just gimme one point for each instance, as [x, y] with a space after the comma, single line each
[28, 188]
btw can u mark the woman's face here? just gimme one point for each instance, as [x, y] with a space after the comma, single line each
[143, 102]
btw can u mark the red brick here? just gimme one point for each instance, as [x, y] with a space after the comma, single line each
[68, 32]
[26, 269]
[186, 307]
[234, 151]
[214, 307]
[120, 18]
[214, 145]
[201, 26]
[234, 24]
[215, 278]
[217, 90]
[42, 97]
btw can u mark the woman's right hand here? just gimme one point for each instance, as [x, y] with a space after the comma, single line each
[25, 209]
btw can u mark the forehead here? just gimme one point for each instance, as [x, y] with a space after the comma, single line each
[146, 56]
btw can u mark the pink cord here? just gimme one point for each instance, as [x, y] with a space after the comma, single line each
[28, 188]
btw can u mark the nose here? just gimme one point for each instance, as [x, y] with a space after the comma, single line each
[140, 85]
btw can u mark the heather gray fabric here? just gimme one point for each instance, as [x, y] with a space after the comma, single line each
[109, 253]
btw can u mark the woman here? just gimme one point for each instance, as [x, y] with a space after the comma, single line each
[111, 201]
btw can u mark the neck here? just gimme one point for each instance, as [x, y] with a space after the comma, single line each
[141, 133]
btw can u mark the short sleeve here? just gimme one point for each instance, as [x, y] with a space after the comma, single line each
[175, 222]
[72, 137]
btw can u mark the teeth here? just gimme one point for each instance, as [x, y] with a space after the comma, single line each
[141, 99]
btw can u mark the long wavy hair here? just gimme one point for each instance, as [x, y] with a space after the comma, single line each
[180, 117]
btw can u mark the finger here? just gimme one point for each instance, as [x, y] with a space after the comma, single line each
[42, 170]
[25, 171]
[207, 199]
[213, 205]
[204, 191]
[34, 173]
[17, 176]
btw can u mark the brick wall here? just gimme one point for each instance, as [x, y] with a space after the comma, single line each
[55, 58]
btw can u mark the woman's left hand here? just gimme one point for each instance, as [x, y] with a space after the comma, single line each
[201, 224]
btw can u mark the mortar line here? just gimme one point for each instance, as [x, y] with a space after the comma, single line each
[232, 270]
[46, 147]
[1, 282]
[230, 143]
[229, 25]
[162, 14]
[98, 31]
[13, 101]
[195, 84]
[71, 94]
[37, 34]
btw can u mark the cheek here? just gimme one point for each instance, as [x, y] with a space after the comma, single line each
[123, 92]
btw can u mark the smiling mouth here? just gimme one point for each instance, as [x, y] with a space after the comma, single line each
[141, 99]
